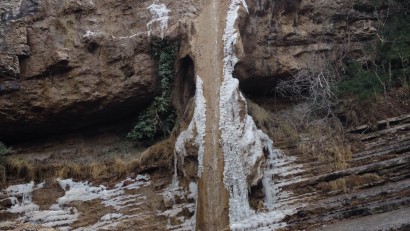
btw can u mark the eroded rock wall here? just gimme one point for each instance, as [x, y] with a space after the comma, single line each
[283, 36]
[68, 64]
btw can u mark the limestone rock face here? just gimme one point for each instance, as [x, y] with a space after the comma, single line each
[281, 37]
[64, 66]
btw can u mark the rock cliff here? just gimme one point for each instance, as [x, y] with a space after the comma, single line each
[281, 37]
[68, 65]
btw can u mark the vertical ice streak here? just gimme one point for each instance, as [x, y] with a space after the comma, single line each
[159, 14]
[197, 126]
[231, 124]
[242, 143]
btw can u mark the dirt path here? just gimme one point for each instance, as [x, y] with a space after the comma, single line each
[213, 198]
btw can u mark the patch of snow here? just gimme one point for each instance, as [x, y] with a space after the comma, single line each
[20, 196]
[89, 34]
[174, 212]
[197, 126]
[55, 216]
[16, 9]
[193, 190]
[261, 222]
[142, 177]
[61, 215]
[110, 216]
[126, 37]
[269, 185]
[82, 191]
[160, 16]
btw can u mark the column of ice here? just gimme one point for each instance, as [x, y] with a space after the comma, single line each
[242, 143]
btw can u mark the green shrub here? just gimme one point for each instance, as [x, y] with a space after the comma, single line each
[389, 66]
[359, 82]
[3, 149]
[159, 117]
[393, 54]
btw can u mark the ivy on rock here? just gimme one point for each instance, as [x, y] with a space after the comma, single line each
[159, 117]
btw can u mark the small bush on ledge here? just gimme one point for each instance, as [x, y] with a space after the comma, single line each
[159, 118]
[3, 149]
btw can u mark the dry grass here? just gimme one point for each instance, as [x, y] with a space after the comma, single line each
[277, 126]
[355, 112]
[159, 155]
[348, 183]
[94, 162]
[162, 153]
[322, 139]
[17, 167]
[326, 141]
[2, 176]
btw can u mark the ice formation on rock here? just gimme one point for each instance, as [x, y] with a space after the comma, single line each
[88, 34]
[82, 191]
[196, 127]
[278, 202]
[16, 9]
[243, 144]
[62, 215]
[160, 16]
[22, 191]
[196, 133]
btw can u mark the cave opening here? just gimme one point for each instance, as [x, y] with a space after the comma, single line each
[184, 84]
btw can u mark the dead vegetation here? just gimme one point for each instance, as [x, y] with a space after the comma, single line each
[318, 138]
[348, 183]
[101, 158]
[19, 168]
[355, 113]
[326, 141]
[161, 154]
[93, 159]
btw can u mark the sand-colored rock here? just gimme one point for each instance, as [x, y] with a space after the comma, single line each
[88, 61]
[282, 37]
[65, 66]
